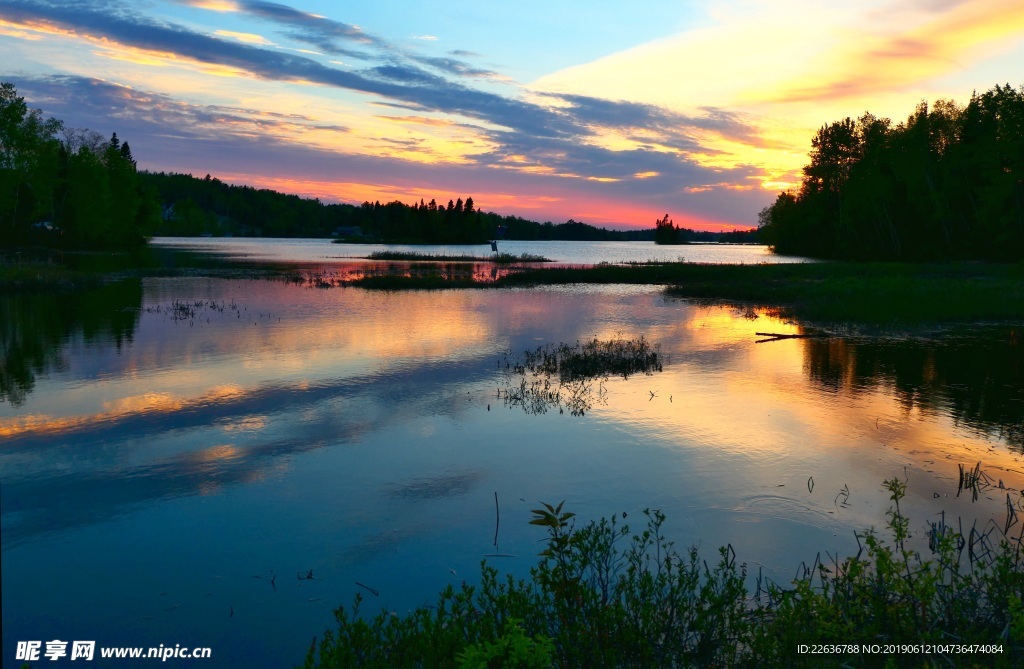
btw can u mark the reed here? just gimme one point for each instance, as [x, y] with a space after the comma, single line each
[572, 376]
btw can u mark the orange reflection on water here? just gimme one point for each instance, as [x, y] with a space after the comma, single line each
[757, 404]
[319, 335]
[147, 403]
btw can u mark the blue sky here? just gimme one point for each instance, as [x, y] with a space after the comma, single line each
[603, 112]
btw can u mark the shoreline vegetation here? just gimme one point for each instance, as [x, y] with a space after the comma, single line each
[837, 292]
[603, 595]
[880, 293]
[194, 206]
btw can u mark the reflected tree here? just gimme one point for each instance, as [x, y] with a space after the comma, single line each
[36, 329]
[977, 381]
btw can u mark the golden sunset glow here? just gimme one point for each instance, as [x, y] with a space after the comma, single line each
[704, 114]
[214, 5]
[349, 290]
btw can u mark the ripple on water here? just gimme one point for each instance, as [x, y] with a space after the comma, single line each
[785, 508]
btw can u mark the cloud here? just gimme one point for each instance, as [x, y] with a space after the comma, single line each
[595, 147]
[247, 38]
[132, 112]
[458, 67]
[397, 82]
[316, 29]
[868, 63]
[248, 143]
[212, 5]
[407, 74]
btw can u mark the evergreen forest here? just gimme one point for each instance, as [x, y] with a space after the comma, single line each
[67, 187]
[946, 184]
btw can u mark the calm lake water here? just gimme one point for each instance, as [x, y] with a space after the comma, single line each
[175, 452]
[323, 251]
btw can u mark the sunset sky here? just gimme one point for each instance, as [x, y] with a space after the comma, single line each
[607, 112]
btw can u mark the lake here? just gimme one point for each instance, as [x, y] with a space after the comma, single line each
[323, 251]
[178, 454]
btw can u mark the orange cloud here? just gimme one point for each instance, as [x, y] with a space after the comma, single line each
[247, 38]
[868, 63]
[212, 5]
[418, 120]
[9, 29]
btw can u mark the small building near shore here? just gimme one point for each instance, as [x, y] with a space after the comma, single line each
[347, 231]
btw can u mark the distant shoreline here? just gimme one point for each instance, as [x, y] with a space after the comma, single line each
[877, 292]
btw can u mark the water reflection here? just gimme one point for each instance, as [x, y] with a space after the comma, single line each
[370, 272]
[977, 377]
[359, 434]
[36, 329]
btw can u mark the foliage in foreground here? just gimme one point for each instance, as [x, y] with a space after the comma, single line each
[604, 596]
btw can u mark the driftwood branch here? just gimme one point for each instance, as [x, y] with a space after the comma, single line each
[776, 336]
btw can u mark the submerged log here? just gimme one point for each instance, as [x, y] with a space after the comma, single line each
[779, 335]
[776, 336]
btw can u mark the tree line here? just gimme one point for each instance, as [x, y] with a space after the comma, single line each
[67, 187]
[73, 188]
[948, 183]
[196, 206]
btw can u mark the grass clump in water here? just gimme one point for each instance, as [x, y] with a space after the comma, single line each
[563, 376]
[593, 359]
[603, 595]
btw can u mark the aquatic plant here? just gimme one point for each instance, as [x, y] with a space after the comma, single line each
[573, 376]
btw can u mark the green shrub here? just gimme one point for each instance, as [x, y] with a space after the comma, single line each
[604, 596]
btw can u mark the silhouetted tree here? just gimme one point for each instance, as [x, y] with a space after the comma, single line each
[665, 232]
[947, 183]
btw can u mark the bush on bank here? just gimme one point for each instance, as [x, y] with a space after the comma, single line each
[602, 595]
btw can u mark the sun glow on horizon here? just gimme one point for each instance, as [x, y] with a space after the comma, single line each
[705, 119]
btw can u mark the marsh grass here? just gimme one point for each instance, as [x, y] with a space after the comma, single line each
[572, 376]
[192, 311]
[877, 293]
[833, 292]
[602, 595]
